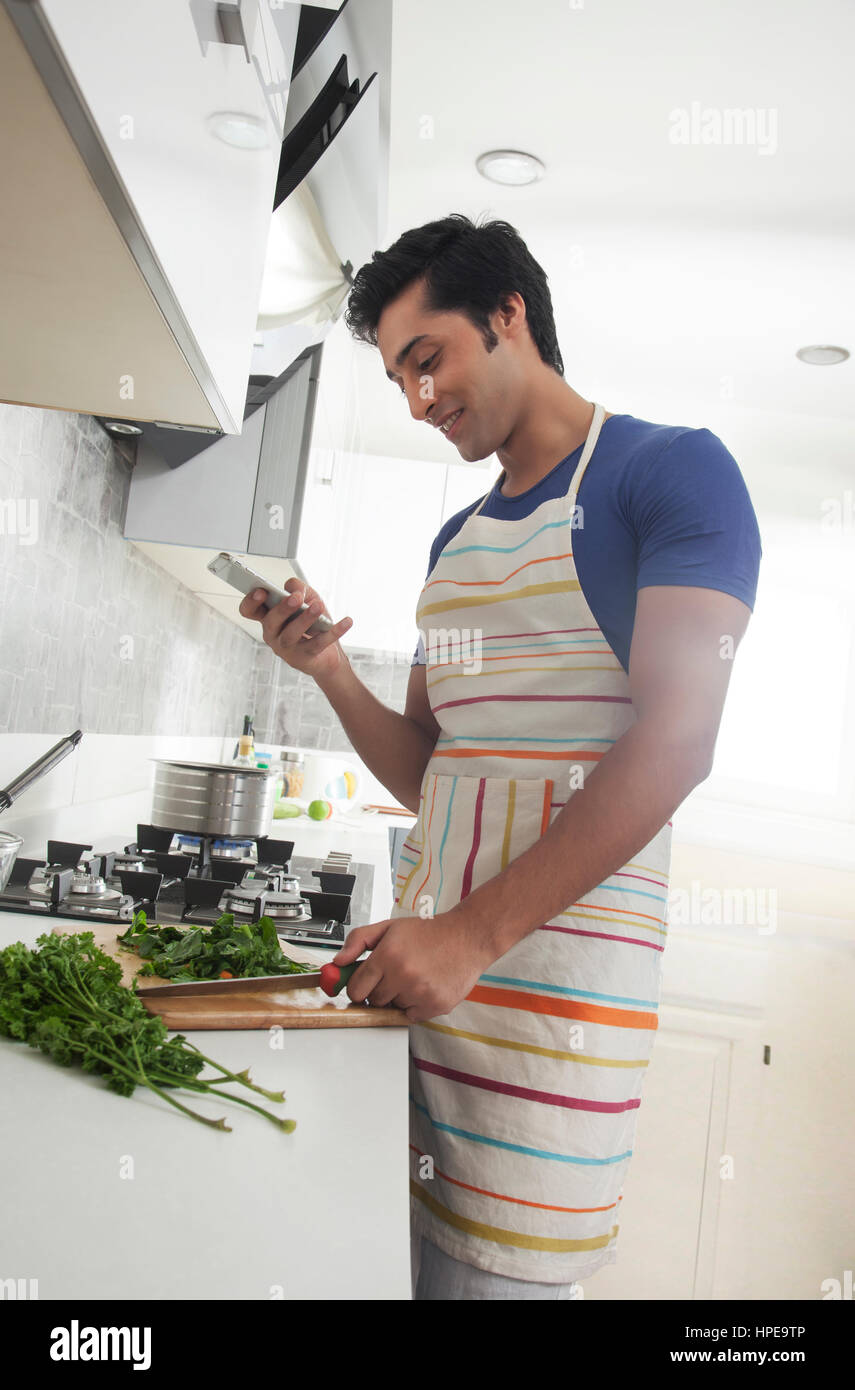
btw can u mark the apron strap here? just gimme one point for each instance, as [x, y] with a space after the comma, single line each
[590, 445]
[488, 494]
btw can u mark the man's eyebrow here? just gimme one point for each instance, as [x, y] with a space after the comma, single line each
[399, 360]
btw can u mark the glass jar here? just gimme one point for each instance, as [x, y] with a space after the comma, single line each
[292, 770]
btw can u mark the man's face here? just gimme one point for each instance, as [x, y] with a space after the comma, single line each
[449, 368]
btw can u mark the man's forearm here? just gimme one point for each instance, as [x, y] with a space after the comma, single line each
[632, 793]
[394, 747]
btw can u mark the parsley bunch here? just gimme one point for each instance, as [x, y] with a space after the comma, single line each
[68, 1000]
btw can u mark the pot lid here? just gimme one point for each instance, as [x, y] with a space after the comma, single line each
[214, 767]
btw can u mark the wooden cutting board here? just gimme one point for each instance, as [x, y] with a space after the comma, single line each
[301, 1008]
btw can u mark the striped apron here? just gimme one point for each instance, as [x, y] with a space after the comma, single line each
[524, 1098]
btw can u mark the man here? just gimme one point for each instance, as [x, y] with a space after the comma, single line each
[608, 578]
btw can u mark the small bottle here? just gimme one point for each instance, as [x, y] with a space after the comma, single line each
[244, 754]
[247, 730]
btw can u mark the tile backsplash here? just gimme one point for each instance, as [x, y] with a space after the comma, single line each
[94, 635]
[291, 710]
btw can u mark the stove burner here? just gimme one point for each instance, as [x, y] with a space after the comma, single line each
[219, 848]
[233, 849]
[129, 863]
[279, 895]
[90, 885]
[283, 911]
[268, 879]
[42, 880]
[115, 907]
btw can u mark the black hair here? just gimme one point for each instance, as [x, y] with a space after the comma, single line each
[465, 268]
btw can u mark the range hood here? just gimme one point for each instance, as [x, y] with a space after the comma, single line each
[243, 494]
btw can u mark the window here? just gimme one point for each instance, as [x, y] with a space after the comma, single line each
[786, 739]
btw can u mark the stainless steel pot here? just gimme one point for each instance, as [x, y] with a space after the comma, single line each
[213, 798]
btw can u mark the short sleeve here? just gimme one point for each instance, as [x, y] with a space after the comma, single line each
[694, 519]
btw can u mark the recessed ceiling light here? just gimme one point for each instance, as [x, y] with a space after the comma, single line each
[122, 427]
[510, 167]
[239, 129]
[822, 356]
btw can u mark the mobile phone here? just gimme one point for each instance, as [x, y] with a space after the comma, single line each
[232, 572]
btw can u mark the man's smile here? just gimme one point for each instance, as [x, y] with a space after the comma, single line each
[449, 424]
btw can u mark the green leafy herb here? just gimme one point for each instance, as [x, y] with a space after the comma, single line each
[204, 953]
[68, 1000]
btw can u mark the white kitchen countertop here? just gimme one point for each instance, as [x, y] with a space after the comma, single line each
[321, 1213]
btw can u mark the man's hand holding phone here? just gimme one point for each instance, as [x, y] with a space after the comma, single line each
[284, 633]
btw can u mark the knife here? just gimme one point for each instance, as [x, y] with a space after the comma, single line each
[330, 978]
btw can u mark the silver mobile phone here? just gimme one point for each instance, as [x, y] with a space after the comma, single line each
[232, 572]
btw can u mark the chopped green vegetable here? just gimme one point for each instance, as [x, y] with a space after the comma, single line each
[203, 953]
[68, 1000]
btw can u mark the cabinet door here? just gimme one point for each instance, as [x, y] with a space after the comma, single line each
[368, 525]
[676, 1185]
[195, 210]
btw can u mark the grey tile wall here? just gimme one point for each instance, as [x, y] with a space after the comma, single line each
[94, 635]
[290, 709]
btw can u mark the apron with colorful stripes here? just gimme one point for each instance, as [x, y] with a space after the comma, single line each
[524, 1097]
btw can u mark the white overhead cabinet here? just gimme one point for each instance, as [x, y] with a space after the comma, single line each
[142, 145]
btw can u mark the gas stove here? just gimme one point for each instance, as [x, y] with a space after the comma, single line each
[177, 878]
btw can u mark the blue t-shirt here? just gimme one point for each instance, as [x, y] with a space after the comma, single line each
[661, 504]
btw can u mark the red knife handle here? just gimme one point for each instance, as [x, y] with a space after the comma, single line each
[335, 977]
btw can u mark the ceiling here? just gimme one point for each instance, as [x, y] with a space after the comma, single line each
[684, 276]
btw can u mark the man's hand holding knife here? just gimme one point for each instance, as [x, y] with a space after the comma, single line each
[424, 966]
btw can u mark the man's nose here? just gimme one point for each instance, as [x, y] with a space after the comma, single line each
[422, 401]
